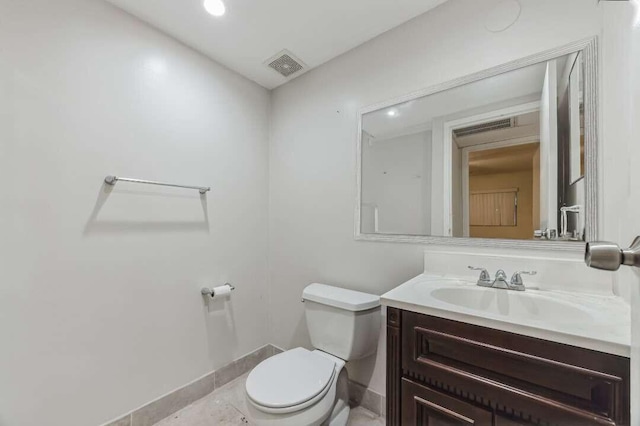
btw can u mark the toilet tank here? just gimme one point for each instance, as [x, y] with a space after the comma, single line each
[341, 322]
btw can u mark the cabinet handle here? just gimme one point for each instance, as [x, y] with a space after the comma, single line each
[444, 411]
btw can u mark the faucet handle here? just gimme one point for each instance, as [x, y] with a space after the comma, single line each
[484, 274]
[516, 278]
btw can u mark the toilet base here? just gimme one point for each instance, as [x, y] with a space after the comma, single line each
[340, 414]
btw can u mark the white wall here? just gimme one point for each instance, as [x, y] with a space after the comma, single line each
[549, 150]
[100, 309]
[312, 148]
[456, 191]
[396, 178]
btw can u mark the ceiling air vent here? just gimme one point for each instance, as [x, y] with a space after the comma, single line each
[485, 127]
[285, 63]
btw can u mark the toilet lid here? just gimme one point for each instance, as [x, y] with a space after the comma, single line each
[290, 378]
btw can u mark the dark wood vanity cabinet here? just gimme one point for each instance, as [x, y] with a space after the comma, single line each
[443, 372]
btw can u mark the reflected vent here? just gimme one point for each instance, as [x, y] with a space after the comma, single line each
[285, 63]
[485, 127]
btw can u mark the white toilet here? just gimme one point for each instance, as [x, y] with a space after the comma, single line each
[303, 388]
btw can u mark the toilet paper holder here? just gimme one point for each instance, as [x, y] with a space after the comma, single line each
[206, 291]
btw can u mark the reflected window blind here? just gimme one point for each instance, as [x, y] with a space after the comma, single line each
[498, 207]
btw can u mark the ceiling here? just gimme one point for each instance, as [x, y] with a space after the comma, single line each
[253, 31]
[503, 160]
[519, 86]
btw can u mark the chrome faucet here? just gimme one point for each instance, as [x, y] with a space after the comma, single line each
[516, 279]
[501, 279]
[485, 278]
[545, 234]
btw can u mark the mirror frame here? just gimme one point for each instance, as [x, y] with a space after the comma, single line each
[589, 48]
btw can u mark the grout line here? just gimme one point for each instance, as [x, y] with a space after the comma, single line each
[244, 416]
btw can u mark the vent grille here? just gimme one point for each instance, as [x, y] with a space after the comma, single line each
[285, 63]
[485, 127]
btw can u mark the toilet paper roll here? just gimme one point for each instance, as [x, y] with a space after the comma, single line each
[221, 292]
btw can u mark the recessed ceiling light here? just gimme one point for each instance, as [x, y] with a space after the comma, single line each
[214, 7]
[392, 113]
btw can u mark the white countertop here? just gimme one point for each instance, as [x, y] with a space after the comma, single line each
[600, 323]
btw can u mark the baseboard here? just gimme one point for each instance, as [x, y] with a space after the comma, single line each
[174, 401]
[360, 395]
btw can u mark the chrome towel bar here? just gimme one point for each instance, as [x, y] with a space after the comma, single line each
[111, 180]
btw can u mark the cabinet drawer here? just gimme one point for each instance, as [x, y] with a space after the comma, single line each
[559, 380]
[509, 400]
[423, 406]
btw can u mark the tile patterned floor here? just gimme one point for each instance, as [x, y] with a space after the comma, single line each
[227, 406]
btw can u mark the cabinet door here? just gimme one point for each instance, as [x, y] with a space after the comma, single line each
[422, 406]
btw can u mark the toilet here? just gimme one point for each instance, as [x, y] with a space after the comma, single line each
[300, 387]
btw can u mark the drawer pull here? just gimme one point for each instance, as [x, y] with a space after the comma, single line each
[444, 411]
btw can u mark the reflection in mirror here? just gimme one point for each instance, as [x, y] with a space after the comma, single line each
[501, 157]
[500, 189]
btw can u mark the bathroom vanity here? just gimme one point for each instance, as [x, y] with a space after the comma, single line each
[451, 363]
[466, 374]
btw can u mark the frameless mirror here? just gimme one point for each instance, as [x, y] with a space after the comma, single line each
[499, 155]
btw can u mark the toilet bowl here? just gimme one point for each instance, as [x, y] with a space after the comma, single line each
[300, 387]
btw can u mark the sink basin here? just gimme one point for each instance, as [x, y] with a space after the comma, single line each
[527, 306]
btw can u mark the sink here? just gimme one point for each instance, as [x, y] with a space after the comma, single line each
[526, 306]
[597, 322]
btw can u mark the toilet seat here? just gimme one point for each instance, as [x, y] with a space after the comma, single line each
[290, 381]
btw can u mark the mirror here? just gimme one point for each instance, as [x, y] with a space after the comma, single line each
[499, 156]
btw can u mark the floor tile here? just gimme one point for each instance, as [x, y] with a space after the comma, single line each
[206, 412]
[163, 407]
[233, 393]
[362, 417]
